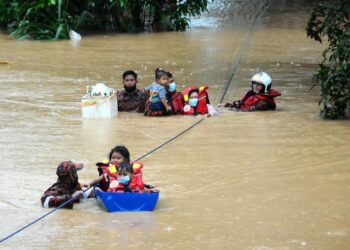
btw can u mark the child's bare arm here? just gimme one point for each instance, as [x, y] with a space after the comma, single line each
[95, 181]
[166, 105]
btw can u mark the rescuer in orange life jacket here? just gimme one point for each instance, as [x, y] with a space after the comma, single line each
[259, 98]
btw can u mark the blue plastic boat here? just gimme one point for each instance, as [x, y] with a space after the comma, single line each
[127, 202]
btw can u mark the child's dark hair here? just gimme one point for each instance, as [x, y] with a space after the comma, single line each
[121, 150]
[193, 90]
[197, 91]
[124, 168]
[129, 72]
[169, 74]
[158, 73]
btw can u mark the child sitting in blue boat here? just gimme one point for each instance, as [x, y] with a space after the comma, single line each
[118, 175]
[121, 184]
[108, 169]
[157, 105]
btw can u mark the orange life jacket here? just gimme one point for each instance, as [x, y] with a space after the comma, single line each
[202, 101]
[136, 184]
[110, 173]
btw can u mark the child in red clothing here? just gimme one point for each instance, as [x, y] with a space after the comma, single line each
[109, 169]
[175, 98]
[118, 174]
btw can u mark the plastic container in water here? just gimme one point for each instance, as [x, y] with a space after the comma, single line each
[127, 202]
[99, 106]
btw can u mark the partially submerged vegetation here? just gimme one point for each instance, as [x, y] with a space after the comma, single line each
[332, 21]
[53, 19]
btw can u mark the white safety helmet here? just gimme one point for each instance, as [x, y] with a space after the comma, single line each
[264, 79]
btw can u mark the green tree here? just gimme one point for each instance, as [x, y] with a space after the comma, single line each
[52, 19]
[41, 19]
[332, 21]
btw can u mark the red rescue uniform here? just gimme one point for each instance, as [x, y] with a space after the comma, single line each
[258, 101]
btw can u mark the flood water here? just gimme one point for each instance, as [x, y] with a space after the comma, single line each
[269, 180]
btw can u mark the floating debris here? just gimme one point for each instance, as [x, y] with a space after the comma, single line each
[74, 36]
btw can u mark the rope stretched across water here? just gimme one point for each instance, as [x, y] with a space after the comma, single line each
[244, 47]
[76, 197]
[173, 138]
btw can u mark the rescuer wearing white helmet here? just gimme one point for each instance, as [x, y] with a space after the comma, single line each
[262, 82]
[260, 97]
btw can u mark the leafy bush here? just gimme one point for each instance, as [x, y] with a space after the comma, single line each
[184, 8]
[52, 19]
[43, 20]
[334, 72]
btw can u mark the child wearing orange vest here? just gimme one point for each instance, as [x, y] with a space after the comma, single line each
[118, 175]
[108, 169]
[196, 101]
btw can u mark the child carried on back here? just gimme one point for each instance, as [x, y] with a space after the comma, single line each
[157, 105]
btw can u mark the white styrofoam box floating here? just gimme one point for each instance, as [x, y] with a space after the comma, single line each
[99, 106]
[100, 89]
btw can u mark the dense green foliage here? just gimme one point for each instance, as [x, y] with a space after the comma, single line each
[333, 75]
[52, 19]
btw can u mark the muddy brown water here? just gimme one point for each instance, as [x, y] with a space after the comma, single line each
[271, 180]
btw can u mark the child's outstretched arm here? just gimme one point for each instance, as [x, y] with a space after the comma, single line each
[94, 182]
[224, 105]
[234, 104]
